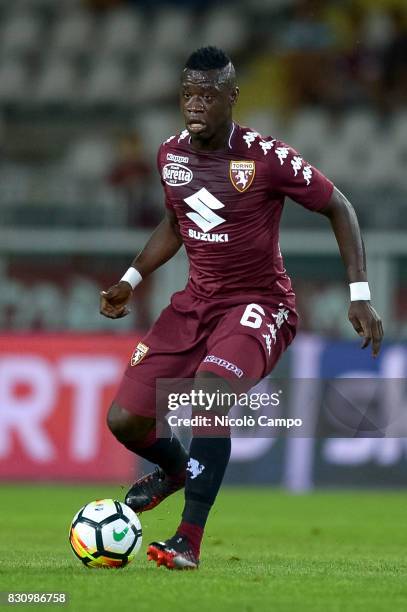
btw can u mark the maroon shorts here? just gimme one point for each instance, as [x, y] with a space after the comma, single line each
[238, 338]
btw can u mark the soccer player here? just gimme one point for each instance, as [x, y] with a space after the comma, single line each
[224, 188]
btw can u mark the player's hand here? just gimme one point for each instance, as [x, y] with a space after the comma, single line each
[367, 323]
[113, 302]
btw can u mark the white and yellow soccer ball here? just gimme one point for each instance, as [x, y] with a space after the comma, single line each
[105, 533]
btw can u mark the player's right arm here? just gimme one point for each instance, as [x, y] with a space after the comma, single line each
[164, 242]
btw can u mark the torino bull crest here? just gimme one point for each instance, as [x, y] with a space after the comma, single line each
[139, 354]
[242, 174]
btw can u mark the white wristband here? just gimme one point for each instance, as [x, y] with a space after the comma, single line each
[133, 277]
[359, 291]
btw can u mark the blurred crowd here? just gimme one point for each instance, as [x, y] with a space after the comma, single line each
[329, 53]
[334, 55]
[88, 90]
[102, 5]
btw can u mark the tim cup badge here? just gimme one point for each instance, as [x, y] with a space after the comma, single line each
[139, 354]
[242, 174]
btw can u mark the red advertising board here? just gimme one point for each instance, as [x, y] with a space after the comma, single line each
[54, 394]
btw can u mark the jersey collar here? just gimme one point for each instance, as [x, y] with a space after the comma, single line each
[232, 131]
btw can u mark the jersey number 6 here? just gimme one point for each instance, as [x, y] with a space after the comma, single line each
[251, 316]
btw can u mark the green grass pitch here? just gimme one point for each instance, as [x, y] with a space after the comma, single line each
[264, 550]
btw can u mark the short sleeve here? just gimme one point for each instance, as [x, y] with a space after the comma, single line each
[160, 163]
[292, 176]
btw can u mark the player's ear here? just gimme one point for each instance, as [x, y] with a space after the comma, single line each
[234, 95]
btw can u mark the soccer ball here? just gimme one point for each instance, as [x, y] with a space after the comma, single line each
[105, 533]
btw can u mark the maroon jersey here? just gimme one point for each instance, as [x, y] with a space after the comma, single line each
[229, 204]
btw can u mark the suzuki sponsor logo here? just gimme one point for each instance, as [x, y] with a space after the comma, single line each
[207, 237]
[179, 159]
[204, 204]
[176, 175]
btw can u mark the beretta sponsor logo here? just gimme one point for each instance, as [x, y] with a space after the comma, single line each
[177, 175]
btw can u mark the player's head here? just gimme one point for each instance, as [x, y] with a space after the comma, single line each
[208, 92]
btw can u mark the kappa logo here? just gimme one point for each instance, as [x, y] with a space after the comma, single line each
[242, 174]
[194, 468]
[307, 174]
[282, 153]
[183, 135]
[204, 204]
[296, 163]
[176, 175]
[250, 137]
[224, 364]
[139, 354]
[180, 159]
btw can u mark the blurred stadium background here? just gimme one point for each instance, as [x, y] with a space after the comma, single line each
[88, 90]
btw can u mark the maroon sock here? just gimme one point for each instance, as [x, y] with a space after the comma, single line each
[194, 533]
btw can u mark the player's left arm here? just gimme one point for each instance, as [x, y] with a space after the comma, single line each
[291, 175]
[362, 315]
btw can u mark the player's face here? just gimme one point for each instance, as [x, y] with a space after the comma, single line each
[206, 103]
